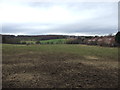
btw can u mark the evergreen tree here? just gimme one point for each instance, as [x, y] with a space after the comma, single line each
[117, 37]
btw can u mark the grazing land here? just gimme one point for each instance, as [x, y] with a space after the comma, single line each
[51, 41]
[54, 41]
[59, 66]
[27, 42]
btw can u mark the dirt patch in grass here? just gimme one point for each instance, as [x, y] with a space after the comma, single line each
[102, 64]
[36, 69]
[26, 80]
[91, 57]
[58, 74]
[21, 77]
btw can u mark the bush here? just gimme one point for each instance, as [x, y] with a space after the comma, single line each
[23, 43]
[38, 42]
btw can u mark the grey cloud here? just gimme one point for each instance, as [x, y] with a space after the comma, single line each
[73, 5]
[104, 22]
[75, 28]
[13, 28]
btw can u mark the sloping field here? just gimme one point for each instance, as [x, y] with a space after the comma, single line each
[54, 41]
[51, 41]
[59, 66]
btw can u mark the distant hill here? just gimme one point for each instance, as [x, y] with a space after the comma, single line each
[8, 38]
[61, 39]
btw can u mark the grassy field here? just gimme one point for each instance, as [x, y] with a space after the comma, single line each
[53, 41]
[59, 66]
[28, 42]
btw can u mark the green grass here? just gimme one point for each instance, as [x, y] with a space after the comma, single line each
[51, 41]
[28, 42]
[54, 41]
[60, 66]
[102, 52]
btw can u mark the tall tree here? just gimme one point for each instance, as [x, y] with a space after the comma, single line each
[117, 38]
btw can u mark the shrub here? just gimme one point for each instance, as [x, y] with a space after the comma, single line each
[37, 42]
[23, 43]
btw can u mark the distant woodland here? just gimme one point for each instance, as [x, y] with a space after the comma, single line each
[109, 40]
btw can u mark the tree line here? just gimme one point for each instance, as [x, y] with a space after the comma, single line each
[90, 40]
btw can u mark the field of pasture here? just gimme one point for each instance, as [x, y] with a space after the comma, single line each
[52, 41]
[59, 66]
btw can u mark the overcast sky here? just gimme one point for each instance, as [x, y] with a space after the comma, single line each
[68, 18]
